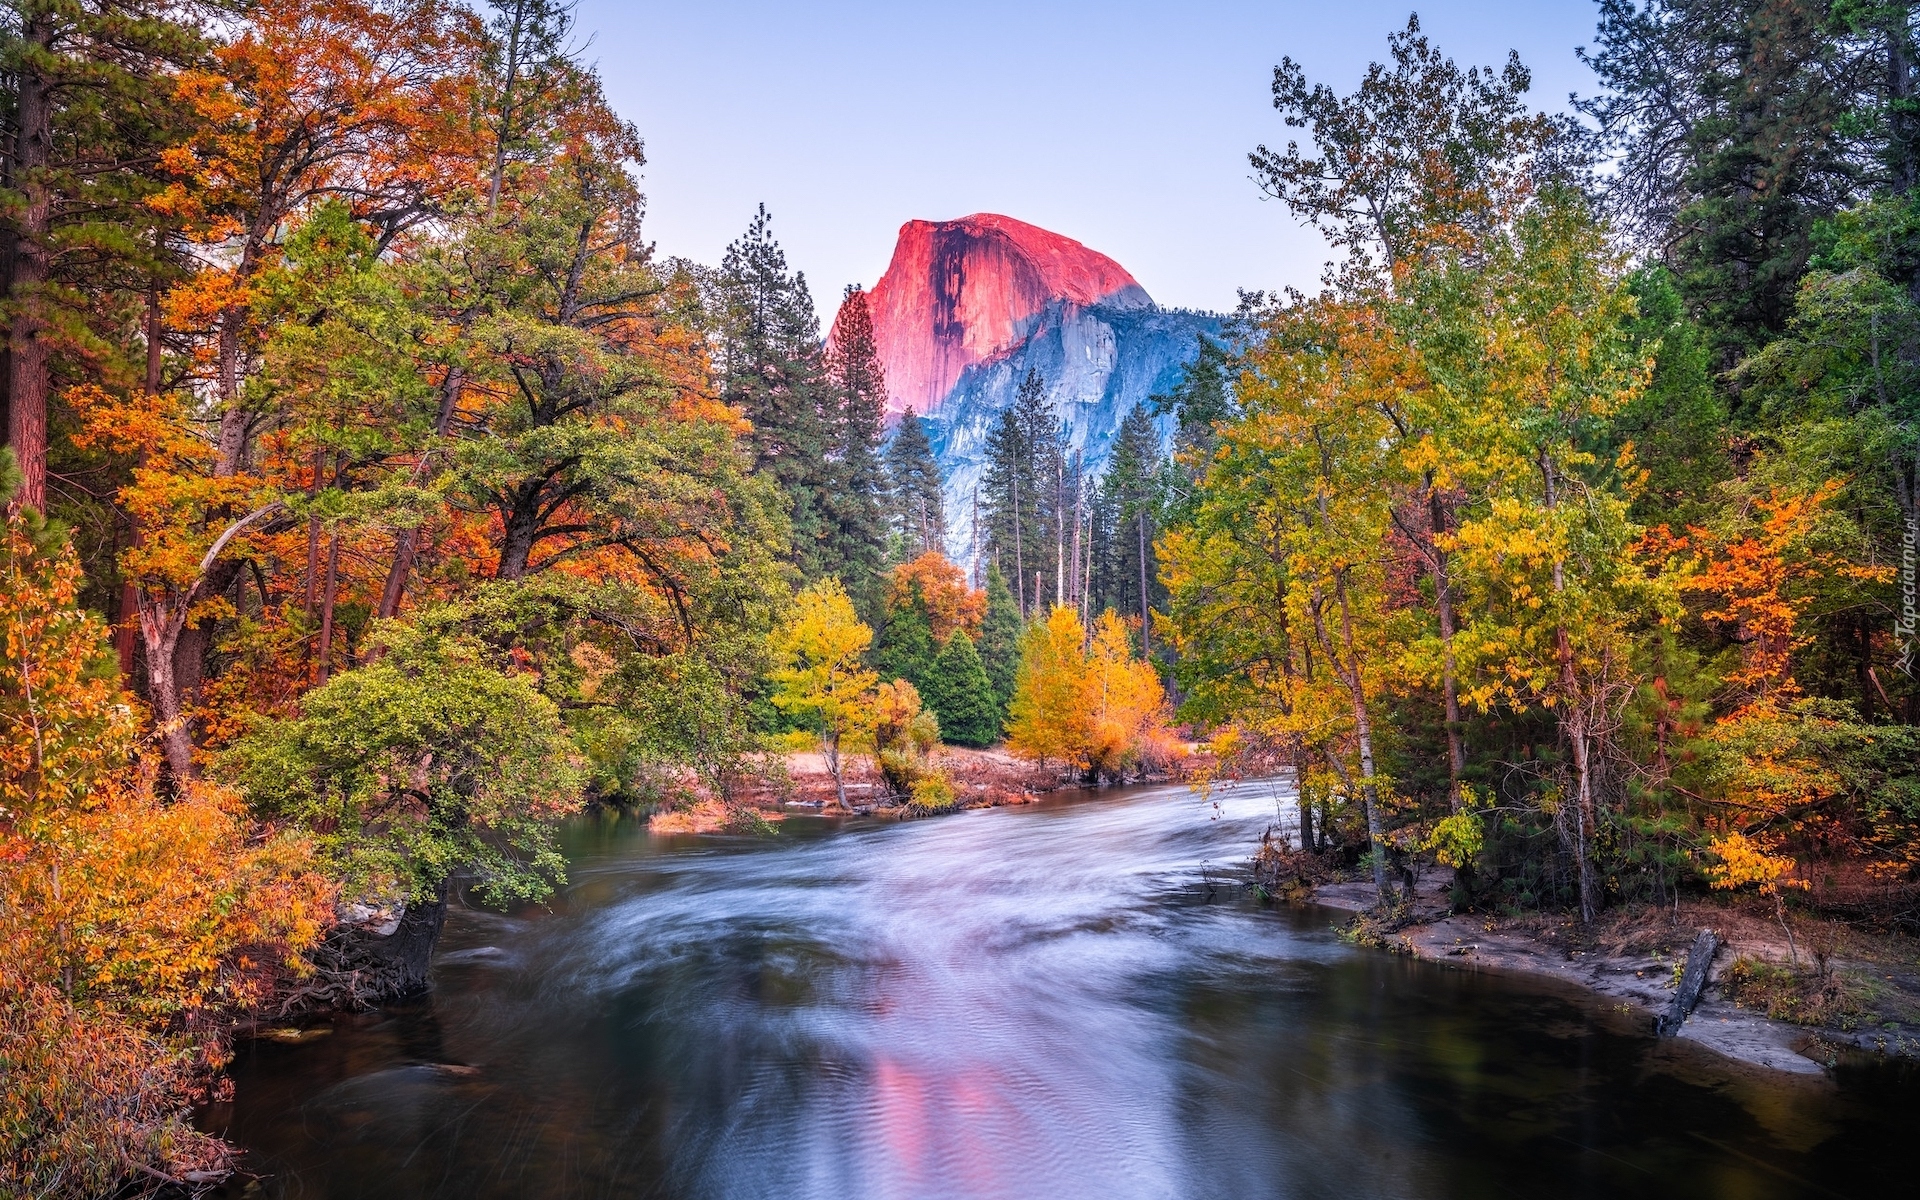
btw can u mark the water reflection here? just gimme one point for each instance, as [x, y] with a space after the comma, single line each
[1046, 1002]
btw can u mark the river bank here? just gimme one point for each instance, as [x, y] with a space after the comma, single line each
[1868, 988]
[983, 778]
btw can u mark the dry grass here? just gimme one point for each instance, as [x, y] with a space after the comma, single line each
[1833, 975]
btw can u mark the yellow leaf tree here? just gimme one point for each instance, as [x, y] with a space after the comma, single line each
[820, 677]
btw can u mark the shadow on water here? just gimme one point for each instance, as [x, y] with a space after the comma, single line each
[1070, 999]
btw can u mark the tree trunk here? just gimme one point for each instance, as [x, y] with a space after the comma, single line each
[1449, 677]
[402, 959]
[516, 544]
[1019, 559]
[326, 609]
[162, 637]
[1146, 615]
[27, 351]
[830, 750]
[1349, 672]
[1573, 721]
[1300, 801]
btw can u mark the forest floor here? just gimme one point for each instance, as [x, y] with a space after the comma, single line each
[1849, 992]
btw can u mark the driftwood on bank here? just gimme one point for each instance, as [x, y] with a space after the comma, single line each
[1692, 979]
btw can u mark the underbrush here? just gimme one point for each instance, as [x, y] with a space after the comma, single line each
[1829, 999]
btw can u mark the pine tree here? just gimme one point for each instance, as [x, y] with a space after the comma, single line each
[906, 644]
[853, 506]
[918, 514]
[1000, 639]
[1022, 495]
[771, 368]
[1202, 399]
[86, 111]
[1130, 509]
[958, 691]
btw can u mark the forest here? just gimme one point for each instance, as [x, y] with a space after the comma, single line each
[378, 497]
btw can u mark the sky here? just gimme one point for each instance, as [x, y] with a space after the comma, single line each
[1123, 125]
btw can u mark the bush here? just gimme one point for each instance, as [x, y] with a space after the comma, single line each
[933, 791]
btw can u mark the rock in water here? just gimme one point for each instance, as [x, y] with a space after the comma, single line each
[967, 307]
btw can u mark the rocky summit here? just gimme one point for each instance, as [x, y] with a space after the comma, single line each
[967, 307]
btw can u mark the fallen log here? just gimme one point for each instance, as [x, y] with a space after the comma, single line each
[1693, 977]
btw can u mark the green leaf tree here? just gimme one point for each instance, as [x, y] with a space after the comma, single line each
[1000, 640]
[961, 695]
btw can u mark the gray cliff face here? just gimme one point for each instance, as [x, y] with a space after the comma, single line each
[1097, 361]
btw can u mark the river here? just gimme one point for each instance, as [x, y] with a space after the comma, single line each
[1071, 999]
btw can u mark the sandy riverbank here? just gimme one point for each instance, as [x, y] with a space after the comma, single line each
[987, 778]
[1632, 959]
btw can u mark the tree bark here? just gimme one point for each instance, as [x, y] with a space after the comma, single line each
[326, 609]
[27, 351]
[1573, 721]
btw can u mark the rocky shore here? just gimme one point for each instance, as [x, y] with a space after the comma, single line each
[1633, 959]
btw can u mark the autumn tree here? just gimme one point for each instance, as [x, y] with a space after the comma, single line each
[134, 926]
[941, 585]
[820, 677]
[1095, 707]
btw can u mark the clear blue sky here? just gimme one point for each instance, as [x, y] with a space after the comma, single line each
[1125, 125]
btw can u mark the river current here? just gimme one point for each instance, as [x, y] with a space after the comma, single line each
[1071, 999]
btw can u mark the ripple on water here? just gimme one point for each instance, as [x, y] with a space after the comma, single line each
[1072, 999]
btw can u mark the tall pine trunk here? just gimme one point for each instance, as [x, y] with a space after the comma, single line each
[28, 383]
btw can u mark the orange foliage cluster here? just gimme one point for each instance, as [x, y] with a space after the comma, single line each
[129, 924]
[951, 604]
[1090, 704]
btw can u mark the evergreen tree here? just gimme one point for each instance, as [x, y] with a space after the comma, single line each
[958, 691]
[1742, 126]
[1202, 399]
[1023, 495]
[853, 507]
[771, 367]
[1000, 639]
[906, 644]
[88, 104]
[1130, 509]
[918, 513]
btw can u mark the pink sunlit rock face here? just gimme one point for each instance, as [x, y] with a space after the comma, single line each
[959, 293]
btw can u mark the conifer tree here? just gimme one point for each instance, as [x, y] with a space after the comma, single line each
[1000, 640]
[1127, 578]
[1202, 399]
[958, 691]
[1022, 495]
[771, 368]
[853, 504]
[918, 513]
[86, 110]
[906, 647]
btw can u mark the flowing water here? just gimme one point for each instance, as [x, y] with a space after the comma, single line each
[1072, 999]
